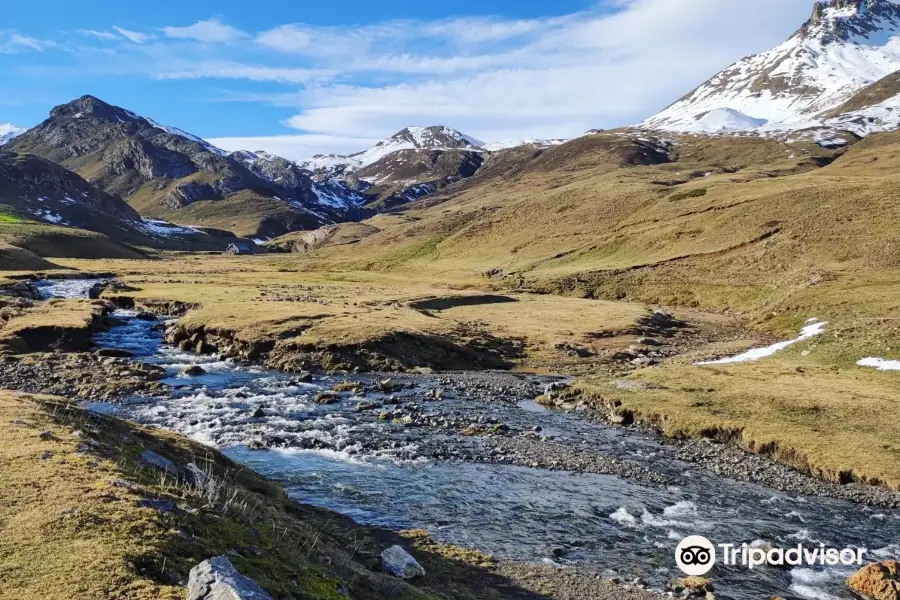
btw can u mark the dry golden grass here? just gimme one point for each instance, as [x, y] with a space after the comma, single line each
[65, 532]
[263, 298]
[834, 423]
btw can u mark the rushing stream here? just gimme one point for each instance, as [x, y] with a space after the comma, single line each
[352, 459]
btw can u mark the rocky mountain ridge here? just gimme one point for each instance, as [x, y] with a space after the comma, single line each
[164, 172]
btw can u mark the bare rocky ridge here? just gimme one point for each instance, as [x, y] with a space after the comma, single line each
[162, 171]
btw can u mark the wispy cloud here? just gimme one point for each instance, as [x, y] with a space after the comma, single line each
[100, 35]
[13, 43]
[230, 70]
[209, 31]
[134, 36]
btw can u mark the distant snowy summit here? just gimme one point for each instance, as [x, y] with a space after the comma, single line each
[435, 137]
[8, 131]
[839, 71]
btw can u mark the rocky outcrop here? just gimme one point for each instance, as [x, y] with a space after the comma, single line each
[217, 579]
[877, 581]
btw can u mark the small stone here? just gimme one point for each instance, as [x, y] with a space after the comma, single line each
[114, 353]
[259, 413]
[194, 370]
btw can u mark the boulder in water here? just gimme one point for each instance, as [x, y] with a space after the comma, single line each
[878, 581]
[115, 352]
[398, 562]
[217, 579]
[194, 370]
[24, 289]
[326, 398]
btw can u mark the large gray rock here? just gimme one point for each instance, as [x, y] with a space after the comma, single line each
[398, 562]
[217, 579]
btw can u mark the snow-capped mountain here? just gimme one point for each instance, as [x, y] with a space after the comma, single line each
[335, 199]
[8, 131]
[435, 137]
[419, 138]
[819, 77]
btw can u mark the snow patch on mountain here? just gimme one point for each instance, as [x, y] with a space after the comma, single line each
[845, 46]
[541, 143]
[8, 131]
[186, 135]
[724, 119]
[328, 162]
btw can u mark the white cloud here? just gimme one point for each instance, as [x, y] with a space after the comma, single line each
[232, 70]
[101, 35]
[563, 78]
[134, 36]
[613, 64]
[295, 147]
[15, 43]
[210, 31]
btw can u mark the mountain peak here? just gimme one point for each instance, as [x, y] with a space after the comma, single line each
[97, 108]
[433, 137]
[8, 131]
[845, 46]
[844, 20]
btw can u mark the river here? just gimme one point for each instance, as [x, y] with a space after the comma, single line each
[418, 471]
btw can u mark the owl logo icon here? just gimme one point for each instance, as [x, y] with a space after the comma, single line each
[695, 555]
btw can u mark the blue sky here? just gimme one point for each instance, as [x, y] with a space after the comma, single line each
[298, 78]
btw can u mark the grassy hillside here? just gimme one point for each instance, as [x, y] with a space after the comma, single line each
[35, 240]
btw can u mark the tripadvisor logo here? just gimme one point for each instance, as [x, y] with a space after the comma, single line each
[695, 555]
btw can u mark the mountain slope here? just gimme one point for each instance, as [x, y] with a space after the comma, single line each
[845, 46]
[162, 171]
[37, 190]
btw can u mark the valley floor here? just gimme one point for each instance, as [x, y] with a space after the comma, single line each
[806, 406]
[809, 406]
